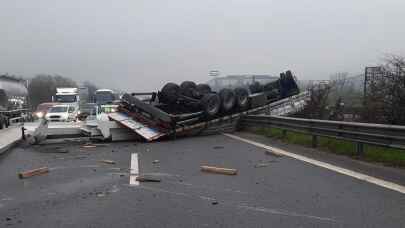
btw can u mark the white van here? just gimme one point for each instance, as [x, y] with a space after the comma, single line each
[62, 113]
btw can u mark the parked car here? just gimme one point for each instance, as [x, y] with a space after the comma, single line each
[62, 113]
[42, 109]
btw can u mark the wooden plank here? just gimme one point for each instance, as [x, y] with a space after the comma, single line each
[219, 170]
[147, 179]
[33, 172]
[110, 162]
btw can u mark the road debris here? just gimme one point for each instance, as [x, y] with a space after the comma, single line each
[100, 194]
[218, 147]
[218, 170]
[57, 150]
[214, 203]
[33, 172]
[110, 162]
[147, 179]
[272, 153]
[99, 145]
[263, 164]
[89, 146]
[155, 161]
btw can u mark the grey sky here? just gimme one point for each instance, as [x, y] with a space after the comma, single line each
[139, 45]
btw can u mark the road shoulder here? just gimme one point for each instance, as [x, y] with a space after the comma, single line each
[391, 174]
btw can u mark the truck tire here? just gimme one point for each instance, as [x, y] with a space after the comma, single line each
[7, 122]
[210, 104]
[169, 93]
[242, 98]
[1, 122]
[188, 88]
[203, 89]
[227, 99]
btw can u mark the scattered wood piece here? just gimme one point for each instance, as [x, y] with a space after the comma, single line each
[272, 153]
[61, 150]
[99, 144]
[218, 170]
[218, 147]
[54, 150]
[100, 194]
[89, 146]
[33, 172]
[147, 179]
[261, 165]
[110, 162]
[156, 161]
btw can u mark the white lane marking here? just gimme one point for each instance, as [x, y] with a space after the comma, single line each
[285, 213]
[243, 206]
[360, 176]
[134, 170]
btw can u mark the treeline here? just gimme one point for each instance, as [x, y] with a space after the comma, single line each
[42, 87]
[343, 98]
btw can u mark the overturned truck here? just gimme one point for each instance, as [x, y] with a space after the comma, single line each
[187, 109]
[180, 108]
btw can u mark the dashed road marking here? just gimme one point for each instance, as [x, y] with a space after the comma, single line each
[134, 170]
[360, 176]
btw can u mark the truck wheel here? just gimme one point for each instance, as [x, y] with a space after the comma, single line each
[170, 93]
[1, 123]
[203, 89]
[211, 104]
[227, 99]
[7, 122]
[188, 88]
[242, 98]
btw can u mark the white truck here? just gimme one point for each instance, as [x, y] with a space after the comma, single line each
[74, 97]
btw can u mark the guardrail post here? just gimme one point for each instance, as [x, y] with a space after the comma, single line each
[23, 133]
[268, 111]
[314, 141]
[360, 149]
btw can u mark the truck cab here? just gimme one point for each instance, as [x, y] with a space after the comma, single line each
[69, 97]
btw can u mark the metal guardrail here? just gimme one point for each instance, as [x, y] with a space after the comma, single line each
[14, 111]
[392, 136]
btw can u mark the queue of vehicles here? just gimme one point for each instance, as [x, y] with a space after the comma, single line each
[72, 104]
[174, 105]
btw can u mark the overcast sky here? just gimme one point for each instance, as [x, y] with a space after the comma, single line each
[139, 45]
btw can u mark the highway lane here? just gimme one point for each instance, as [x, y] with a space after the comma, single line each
[80, 191]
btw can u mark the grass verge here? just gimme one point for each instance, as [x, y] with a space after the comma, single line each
[386, 156]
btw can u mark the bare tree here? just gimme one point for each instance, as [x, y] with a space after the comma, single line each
[92, 90]
[317, 106]
[42, 87]
[385, 98]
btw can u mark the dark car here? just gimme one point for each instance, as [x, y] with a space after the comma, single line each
[43, 108]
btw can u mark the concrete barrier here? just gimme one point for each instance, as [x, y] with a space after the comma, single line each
[9, 137]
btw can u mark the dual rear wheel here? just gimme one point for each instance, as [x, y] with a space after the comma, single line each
[211, 103]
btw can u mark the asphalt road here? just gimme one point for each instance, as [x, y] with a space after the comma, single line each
[80, 191]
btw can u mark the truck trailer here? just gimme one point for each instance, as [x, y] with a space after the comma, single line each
[13, 100]
[176, 108]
